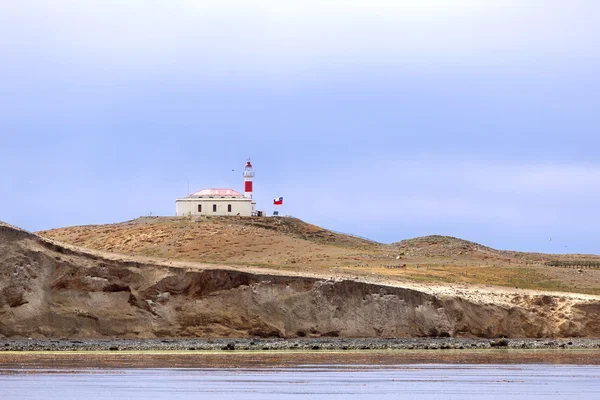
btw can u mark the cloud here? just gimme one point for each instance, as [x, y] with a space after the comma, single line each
[274, 37]
[547, 180]
[452, 191]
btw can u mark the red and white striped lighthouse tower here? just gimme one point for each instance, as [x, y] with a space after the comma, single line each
[248, 175]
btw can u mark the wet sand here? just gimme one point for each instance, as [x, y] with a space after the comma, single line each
[265, 359]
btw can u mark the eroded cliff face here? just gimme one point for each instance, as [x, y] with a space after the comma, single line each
[49, 290]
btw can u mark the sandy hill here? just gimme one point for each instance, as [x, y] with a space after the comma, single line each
[239, 240]
[439, 246]
[436, 245]
[292, 245]
[55, 290]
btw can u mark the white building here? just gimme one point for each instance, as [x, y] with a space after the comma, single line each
[220, 201]
[215, 202]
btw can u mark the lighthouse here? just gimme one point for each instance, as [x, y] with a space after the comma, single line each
[248, 176]
[215, 201]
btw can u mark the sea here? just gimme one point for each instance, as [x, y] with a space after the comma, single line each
[365, 382]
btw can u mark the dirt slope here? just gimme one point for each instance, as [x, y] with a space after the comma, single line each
[239, 240]
[436, 245]
[297, 247]
[52, 290]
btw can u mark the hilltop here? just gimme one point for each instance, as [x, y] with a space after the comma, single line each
[289, 244]
[238, 240]
[437, 245]
[55, 290]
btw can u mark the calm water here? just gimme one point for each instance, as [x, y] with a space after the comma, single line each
[332, 382]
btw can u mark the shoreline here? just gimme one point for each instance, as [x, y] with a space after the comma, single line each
[82, 361]
[49, 355]
[303, 344]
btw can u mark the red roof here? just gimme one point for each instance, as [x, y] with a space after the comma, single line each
[217, 192]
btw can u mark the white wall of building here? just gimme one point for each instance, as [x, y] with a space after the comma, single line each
[239, 206]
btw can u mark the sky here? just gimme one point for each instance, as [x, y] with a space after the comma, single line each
[385, 119]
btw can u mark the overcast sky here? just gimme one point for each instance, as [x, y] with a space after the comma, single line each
[386, 119]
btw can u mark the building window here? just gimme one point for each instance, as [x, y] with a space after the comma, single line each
[214, 208]
[199, 207]
[228, 207]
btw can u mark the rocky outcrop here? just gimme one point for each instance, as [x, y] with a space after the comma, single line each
[54, 291]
